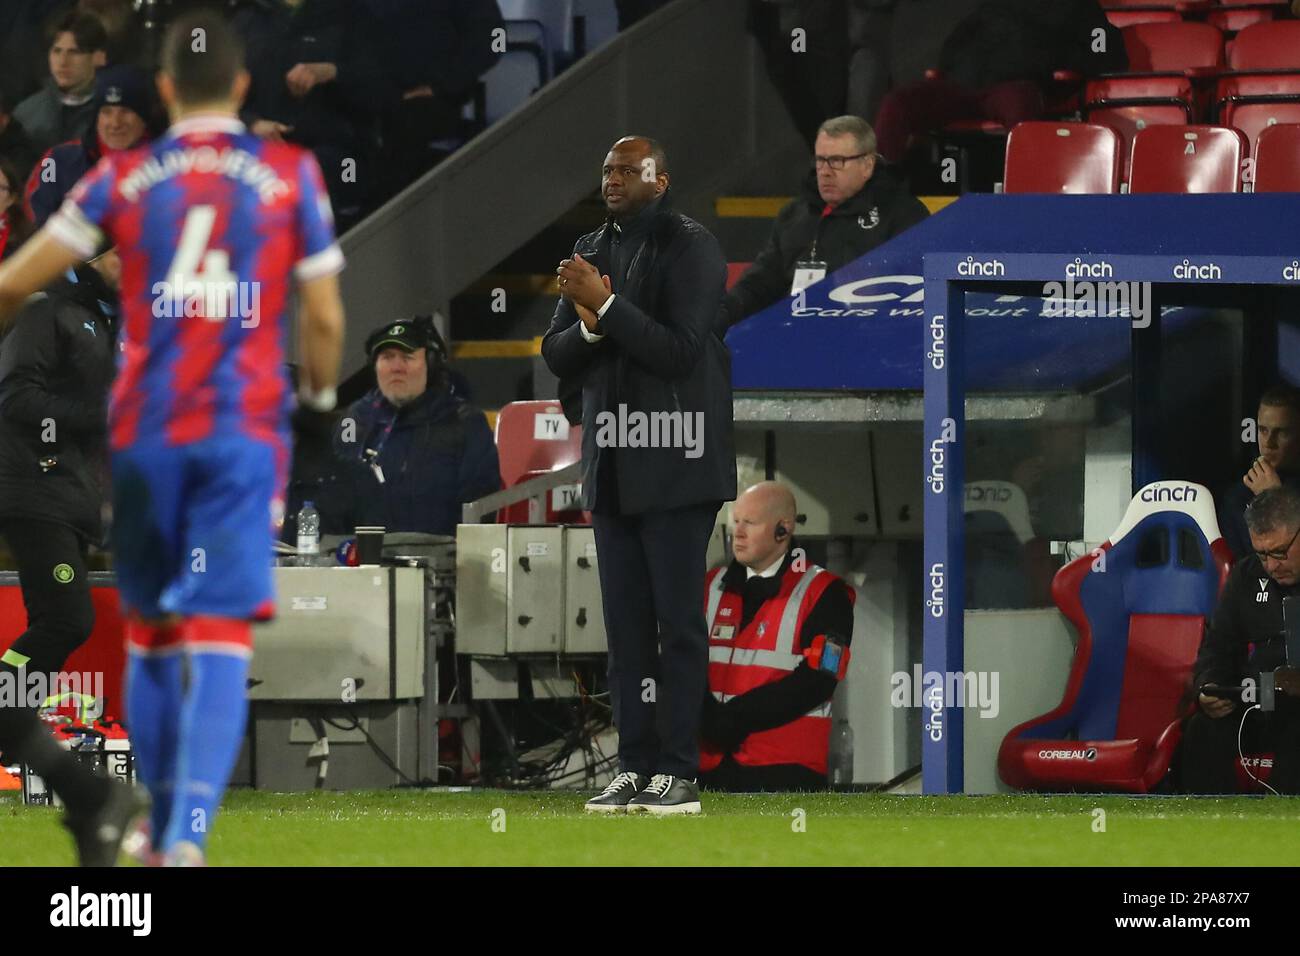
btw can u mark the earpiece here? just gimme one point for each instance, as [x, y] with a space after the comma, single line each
[781, 532]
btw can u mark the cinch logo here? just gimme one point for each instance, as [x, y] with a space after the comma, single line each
[935, 603]
[935, 355]
[992, 493]
[1089, 754]
[1292, 272]
[934, 700]
[1186, 493]
[1186, 270]
[1078, 269]
[971, 267]
[935, 478]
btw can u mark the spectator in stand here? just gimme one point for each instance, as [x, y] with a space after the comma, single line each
[15, 143]
[65, 107]
[128, 115]
[306, 89]
[433, 54]
[15, 227]
[849, 204]
[997, 65]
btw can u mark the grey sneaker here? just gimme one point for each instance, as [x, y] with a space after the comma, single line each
[99, 835]
[614, 798]
[666, 795]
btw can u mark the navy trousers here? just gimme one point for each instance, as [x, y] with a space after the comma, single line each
[652, 581]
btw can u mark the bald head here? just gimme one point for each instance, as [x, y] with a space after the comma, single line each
[757, 514]
[635, 174]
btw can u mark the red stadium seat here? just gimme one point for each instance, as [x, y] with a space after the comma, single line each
[1129, 103]
[1235, 19]
[533, 439]
[1277, 159]
[1252, 101]
[1140, 609]
[1045, 157]
[1254, 118]
[1126, 18]
[1187, 159]
[1244, 86]
[1267, 46]
[1173, 47]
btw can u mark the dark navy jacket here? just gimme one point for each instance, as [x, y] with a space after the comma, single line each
[435, 453]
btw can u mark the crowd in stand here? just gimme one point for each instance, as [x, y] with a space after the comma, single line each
[377, 89]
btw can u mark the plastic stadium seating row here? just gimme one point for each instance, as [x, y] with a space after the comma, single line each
[1181, 73]
[1179, 76]
[1045, 157]
[1228, 15]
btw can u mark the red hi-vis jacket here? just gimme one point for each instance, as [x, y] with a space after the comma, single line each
[767, 650]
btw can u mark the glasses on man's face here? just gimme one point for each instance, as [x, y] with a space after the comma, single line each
[834, 162]
[1279, 554]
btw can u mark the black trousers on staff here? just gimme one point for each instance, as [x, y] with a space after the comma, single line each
[56, 591]
[60, 617]
[1209, 748]
[652, 580]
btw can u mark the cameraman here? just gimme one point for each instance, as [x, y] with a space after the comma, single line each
[1246, 638]
[412, 450]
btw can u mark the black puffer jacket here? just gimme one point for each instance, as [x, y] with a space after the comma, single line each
[878, 212]
[56, 364]
[659, 354]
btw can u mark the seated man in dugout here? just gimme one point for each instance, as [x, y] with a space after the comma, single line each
[1277, 434]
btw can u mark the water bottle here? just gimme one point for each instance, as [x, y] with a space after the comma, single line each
[840, 759]
[308, 534]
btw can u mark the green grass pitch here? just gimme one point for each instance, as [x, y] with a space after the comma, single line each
[494, 828]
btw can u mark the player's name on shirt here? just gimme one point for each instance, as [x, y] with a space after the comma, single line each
[229, 161]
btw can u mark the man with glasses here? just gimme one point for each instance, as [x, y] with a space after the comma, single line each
[1246, 639]
[849, 204]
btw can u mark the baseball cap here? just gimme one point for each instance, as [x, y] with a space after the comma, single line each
[407, 334]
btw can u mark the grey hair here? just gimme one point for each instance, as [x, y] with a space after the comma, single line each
[854, 126]
[1273, 509]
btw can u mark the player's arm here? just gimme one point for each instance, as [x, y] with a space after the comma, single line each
[40, 261]
[320, 330]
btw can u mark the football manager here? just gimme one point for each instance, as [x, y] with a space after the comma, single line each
[634, 330]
